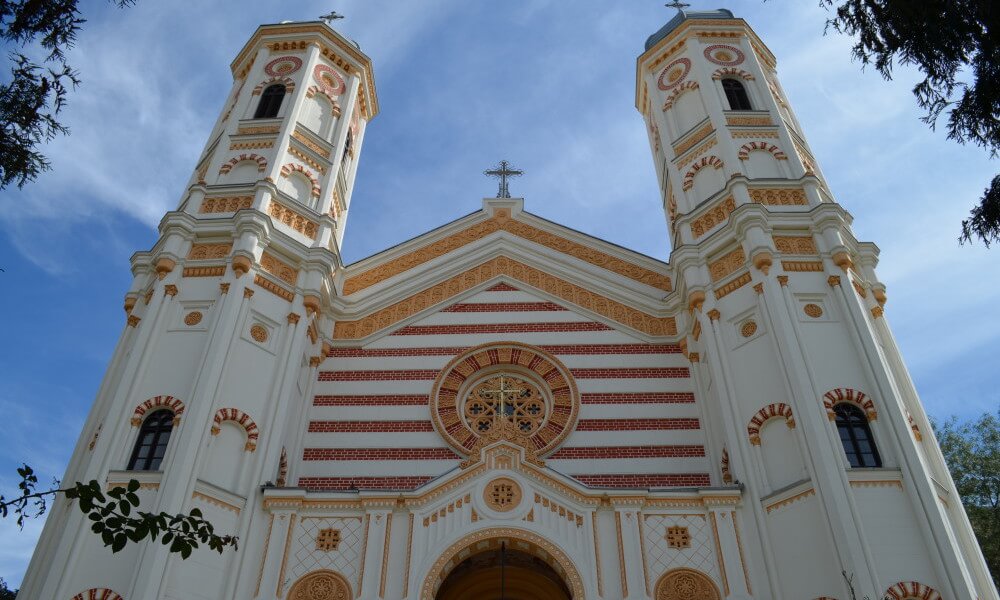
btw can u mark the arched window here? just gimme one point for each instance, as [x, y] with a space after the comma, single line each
[270, 102]
[856, 436]
[736, 94]
[151, 444]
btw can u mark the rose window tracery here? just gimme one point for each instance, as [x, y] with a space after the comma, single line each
[505, 397]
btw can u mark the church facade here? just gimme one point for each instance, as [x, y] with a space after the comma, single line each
[504, 407]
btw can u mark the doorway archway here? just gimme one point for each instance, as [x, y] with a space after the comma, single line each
[534, 568]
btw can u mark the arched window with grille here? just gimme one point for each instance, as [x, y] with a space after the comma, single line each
[151, 445]
[856, 436]
[736, 94]
[270, 102]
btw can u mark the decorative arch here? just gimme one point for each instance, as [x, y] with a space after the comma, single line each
[290, 168]
[705, 161]
[285, 81]
[323, 91]
[157, 402]
[321, 585]
[838, 395]
[912, 590]
[678, 92]
[240, 418]
[734, 72]
[749, 147]
[686, 584]
[232, 162]
[771, 411]
[98, 594]
[488, 539]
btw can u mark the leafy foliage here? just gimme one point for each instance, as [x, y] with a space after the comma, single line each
[972, 451]
[956, 46]
[38, 88]
[5, 592]
[114, 517]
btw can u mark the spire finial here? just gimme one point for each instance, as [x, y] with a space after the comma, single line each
[680, 6]
[331, 17]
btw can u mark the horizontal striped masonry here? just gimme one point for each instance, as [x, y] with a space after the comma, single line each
[635, 424]
[588, 452]
[582, 425]
[363, 483]
[379, 454]
[564, 349]
[627, 373]
[638, 398]
[371, 426]
[618, 481]
[501, 328]
[642, 480]
[387, 400]
[504, 307]
[379, 375]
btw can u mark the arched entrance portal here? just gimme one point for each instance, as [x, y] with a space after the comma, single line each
[534, 568]
[503, 575]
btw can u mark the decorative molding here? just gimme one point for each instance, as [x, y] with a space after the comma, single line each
[693, 139]
[802, 266]
[732, 72]
[748, 134]
[726, 264]
[98, 594]
[209, 251]
[727, 476]
[686, 584]
[779, 196]
[859, 399]
[574, 294]
[742, 121]
[232, 162]
[795, 244]
[673, 74]
[240, 418]
[157, 402]
[715, 215]
[283, 65]
[320, 585]
[790, 500]
[722, 54]
[771, 411]
[288, 169]
[293, 219]
[249, 130]
[732, 286]
[707, 161]
[224, 205]
[279, 269]
[905, 590]
[503, 222]
[288, 82]
[217, 271]
[746, 149]
[833, 280]
[308, 143]
[299, 154]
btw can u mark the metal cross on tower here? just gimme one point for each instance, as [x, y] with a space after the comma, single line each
[677, 4]
[330, 18]
[503, 171]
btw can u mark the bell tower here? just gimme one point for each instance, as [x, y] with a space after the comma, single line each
[783, 320]
[223, 321]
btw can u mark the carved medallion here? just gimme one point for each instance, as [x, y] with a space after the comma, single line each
[502, 494]
[192, 318]
[686, 584]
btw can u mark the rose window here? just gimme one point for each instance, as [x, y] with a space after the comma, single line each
[505, 397]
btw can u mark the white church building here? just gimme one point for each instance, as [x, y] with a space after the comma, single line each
[503, 407]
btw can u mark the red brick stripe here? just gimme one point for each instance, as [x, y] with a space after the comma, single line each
[640, 373]
[641, 480]
[397, 400]
[679, 451]
[636, 424]
[364, 483]
[565, 349]
[504, 307]
[369, 426]
[502, 287]
[378, 454]
[379, 375]
[638, 398]
[501, 328]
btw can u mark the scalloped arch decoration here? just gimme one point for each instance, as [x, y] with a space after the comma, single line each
[838, 395]
[98, 594]
[749, 147]
[232, 162]
[705, 161]
[679, 91]
[313, 90]
[771, 411]
[912, 590]
[290, 168]
[686, 584]
[724, 72]
[285, 81]
[240, 418]
[157, 402]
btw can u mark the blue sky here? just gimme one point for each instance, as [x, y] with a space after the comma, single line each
[546, 84]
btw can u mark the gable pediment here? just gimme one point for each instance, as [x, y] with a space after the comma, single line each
[496, 218]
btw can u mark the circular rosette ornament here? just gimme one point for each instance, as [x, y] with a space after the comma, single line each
[505, 387]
